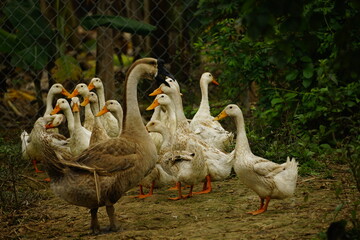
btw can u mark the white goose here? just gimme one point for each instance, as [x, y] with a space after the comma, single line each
[55, 89]
[98, 133]
[158, 177]
[166, 114]
[80, 138]
[115, 109]
[109, 121]
[268, 179]
[30, 151]
[76, 130]
[83, 90]
[202, 123]
[218, 163]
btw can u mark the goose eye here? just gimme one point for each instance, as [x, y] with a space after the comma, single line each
[192, 155]
[230, 107]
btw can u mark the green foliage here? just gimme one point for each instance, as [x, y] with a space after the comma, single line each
[14, 194]
[301, 56]
[66, 68]
[30, 41]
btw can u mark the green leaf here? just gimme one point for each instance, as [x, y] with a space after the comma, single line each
[308, 71]
[66, 68]
[8, 41]
[275, 101]
[117, 22]
[306, 82]
[292, 75]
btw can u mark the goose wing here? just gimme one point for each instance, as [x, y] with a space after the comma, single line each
[111, 155]
[267, 168]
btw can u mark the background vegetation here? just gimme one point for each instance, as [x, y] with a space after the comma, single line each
[291, 65]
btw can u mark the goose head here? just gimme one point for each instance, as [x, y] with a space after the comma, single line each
[207, 78]
[95, 83]
[161, 99]
[55, 120]
[110, 106]
[61, 104]
[230, 110]
[172, 87]
[81, 89]
[92, 98]
[155, 126]
[58, 88]
[75, 103]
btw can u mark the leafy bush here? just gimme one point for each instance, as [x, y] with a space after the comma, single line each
[298, 55]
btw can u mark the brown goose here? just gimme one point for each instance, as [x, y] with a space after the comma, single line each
[104, 172]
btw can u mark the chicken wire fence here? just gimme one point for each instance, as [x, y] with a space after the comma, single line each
[71, 41]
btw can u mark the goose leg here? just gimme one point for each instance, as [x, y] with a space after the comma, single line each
[95, 227]
[35, 167]
[112, 218]
[263, 207]
[142, 195]
[190, 192]
[179, 192]
[207, 186]
[176, 187]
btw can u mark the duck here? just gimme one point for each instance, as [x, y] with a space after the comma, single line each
[267, 179]
[56, 89]
[114, 107]
[82, 90]
[202, 123]
[158, 177]
[104, 172]
[166, 114]
[63, 105]
[30, 151]
[109, 121]
[187, 167]
[218, 163]
[98, 133]
[80, 137]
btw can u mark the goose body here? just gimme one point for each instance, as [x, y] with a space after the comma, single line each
[82, 90]
[267, 179]
[98, 133]
[202, 123]
[108, 120]
[80, 138]
[106, 170]
[31, 150]
[218, 163]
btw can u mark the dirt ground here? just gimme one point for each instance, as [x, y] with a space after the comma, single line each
[220, 214]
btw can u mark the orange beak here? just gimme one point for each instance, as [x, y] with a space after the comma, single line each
[55, 110]
[221, 115]
[74, 94]
[75, 107]
[91, 86]
[156, 92]
[102, 112]
[49, 125]
[215, 82]
[154, 104]
[65, 92]
[85, 102]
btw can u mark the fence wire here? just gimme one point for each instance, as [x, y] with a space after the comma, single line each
[71, 41]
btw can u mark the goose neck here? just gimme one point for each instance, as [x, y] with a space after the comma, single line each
[242, 143]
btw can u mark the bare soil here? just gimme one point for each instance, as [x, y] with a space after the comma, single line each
[220, 214]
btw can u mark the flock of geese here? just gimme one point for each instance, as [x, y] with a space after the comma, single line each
[112, 151]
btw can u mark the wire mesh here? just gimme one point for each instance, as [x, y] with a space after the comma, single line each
[71, 41]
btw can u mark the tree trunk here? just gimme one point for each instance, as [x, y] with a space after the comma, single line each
[104, 52]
